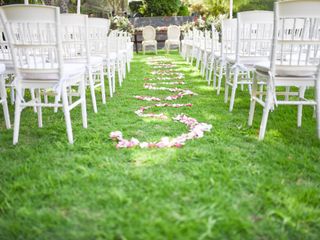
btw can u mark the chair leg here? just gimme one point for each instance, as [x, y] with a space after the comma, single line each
[33, 97]
[265, 114]
[114, 77]
[220, 78]
[144, 49]
[3, 97]
[93, 96]
[83, 103]
[56, 101]
[226, 90]
[109, 80]
[39, 108]
[287, 95]
[103, 88]
[66, 111]
[234, 89]
[252, 102]
[12, 95]
[300, 106]
[17, 115]
[119, 72]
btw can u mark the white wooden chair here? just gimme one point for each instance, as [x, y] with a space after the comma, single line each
[98, 38]
[173, 33]
[77, 50]
[114, 53]
[215, 49]
[34, 34]
[185, 43]
[253, 45]
[294, 61]
[186, 47]
[3, 96]
[198, 46]
[228, 48]
[193, 50]
[149, 38]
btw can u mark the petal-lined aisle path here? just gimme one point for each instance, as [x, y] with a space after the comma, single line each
[164, 74]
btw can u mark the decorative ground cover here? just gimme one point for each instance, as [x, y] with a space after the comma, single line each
[196, 129]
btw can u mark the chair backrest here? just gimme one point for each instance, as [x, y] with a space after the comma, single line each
[149, 33]
[254, 34]
[229, 36]
[173, 32]
[33, 33]
[98, 35]
[5, 53]
[113, 44]
[215, 46]
[75, 37]
[296, 37]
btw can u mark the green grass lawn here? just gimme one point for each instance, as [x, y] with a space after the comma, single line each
[226, 185]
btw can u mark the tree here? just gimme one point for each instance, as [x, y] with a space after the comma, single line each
[183, 10]
[161, 7]
[216, 7]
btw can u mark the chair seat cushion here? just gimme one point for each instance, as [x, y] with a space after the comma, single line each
[172, 41]
[94, 61]
[149, 42]
[250, 61]
[70, 71]
[287, 71]
[2, 68]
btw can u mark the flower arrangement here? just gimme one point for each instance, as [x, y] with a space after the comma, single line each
[204, 23]
[121, 23]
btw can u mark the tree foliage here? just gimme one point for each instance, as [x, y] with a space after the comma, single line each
[257, 5]
[161, 7]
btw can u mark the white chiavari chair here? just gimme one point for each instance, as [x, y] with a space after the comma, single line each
[199, 46]
[215, 48]
[98, 38]
[253, 45]
[113, 51]
[34, 35]
[294, 62]
[195, 45]
[3, 96]
[77, 50]
[205, 52]
[227, 48]
[186, 43]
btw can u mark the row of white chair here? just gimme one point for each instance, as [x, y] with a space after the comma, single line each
[59, 55]
[268, 51]
[149, 38]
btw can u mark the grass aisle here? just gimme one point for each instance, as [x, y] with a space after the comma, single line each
[224, 185]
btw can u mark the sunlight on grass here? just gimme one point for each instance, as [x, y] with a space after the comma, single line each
[227, 185]
[152, 157]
